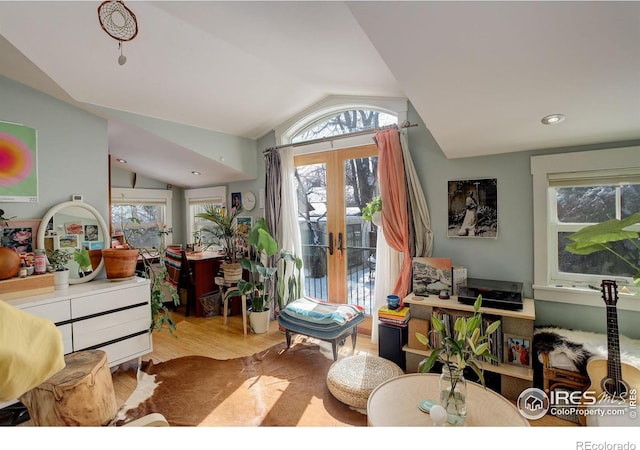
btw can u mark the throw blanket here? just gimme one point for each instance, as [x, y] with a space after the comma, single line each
[571, 349]
[31, 351]
[316, 311]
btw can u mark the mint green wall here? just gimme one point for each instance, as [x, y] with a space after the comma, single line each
[72, 150]
[510, 255]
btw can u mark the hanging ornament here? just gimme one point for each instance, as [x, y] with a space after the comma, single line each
[119, 22]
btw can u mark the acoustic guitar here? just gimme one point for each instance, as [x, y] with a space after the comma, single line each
[614, 384]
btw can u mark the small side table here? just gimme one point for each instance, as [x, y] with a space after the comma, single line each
[394, 403]
[225, 287]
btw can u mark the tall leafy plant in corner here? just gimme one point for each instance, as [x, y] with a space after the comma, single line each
[225, 231]
[601, 236]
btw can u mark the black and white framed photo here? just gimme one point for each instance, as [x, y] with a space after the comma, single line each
[473, 208]
[517, 350]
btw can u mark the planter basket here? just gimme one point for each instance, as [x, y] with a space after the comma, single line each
[232, 272]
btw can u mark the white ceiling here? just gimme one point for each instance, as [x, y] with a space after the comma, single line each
[481, 75]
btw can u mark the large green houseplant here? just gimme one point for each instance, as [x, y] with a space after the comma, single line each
[262, 266]
[224, 233]
[601, 236]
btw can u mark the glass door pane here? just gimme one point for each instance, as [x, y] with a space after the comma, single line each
[311, 186]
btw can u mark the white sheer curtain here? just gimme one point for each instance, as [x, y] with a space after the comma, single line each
[388, 263]
[290, 234]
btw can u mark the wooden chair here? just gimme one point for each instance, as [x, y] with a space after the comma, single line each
[180, 276]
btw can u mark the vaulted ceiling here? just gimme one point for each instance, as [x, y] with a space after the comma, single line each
[481, 75]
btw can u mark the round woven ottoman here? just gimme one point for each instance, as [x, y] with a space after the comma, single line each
[352, 379]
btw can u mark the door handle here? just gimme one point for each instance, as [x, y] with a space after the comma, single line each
[331, 243]
[340, 247]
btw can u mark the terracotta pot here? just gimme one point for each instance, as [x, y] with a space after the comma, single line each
[9, 263]
[95, 256]
[120, 263]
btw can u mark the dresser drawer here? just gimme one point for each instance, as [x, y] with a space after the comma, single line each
[108, 301]
[56, 311]
[108, 327]
[128, 349]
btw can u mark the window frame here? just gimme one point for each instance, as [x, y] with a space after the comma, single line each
[211, 195]
[544, 167]
[124, 196]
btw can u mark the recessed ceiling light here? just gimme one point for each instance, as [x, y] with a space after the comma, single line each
[120, 160]
[195, 172]
[552, 119]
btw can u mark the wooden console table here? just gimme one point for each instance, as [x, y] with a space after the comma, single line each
[394, 403]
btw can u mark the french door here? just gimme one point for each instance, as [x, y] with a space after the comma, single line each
[338, 244]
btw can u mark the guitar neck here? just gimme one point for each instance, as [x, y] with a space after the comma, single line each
[614, 370]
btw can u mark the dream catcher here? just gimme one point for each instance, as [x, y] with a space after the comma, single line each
[119, 22]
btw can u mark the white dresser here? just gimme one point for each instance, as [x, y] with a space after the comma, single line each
[113, 316]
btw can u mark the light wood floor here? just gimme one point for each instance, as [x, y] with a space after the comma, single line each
[211, 337]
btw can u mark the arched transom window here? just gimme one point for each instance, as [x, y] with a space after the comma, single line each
[344, 122]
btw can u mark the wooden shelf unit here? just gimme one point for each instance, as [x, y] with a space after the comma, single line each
[513, 379]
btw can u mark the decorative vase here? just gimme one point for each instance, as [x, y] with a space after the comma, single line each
[120, 263]
[95, 256]
[9, 263]
[61, 279]
[376, 218]
[232, 271]
[453, 394]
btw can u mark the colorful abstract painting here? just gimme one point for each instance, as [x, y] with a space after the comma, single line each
[18, 163]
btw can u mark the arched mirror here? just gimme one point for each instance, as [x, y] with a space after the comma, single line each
[78, 228]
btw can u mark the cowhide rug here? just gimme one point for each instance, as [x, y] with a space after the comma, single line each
[571, 349]
[276, 387]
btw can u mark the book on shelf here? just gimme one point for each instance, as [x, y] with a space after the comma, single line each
[395, 322]
[431, 275]
[385, 311]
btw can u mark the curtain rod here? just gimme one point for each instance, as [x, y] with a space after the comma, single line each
[341, 136]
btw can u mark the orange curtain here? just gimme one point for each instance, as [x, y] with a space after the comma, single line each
[393, 191]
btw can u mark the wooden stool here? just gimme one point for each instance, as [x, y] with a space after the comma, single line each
[81, 394]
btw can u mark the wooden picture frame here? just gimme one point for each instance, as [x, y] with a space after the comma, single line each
[517, 350]
[21, 235]
[243, 225]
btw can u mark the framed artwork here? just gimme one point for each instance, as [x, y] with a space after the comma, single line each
[20, 235]
[473, 208]
[91, 232]
[236, 200]
[73, 228]
[243, 225]
[517, 350]
[19, 173]
[68, 241]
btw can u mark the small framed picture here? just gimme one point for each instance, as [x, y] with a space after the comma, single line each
[243, 225]
[20, 235]
[236, 200]
[69, 241]
[73, 228]
[517, 350]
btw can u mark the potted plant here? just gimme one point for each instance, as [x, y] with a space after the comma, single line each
[265, 263]
[162, 291]
[466, 347]
[57, 264]
[602, 236]
[225, 233]
[120, 262]
[372, 211]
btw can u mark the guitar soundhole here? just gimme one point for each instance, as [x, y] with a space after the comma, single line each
[616, 389]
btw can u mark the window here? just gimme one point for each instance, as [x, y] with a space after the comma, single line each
[196, 199]
[150, 207]
[571, 191]
[348, 121]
